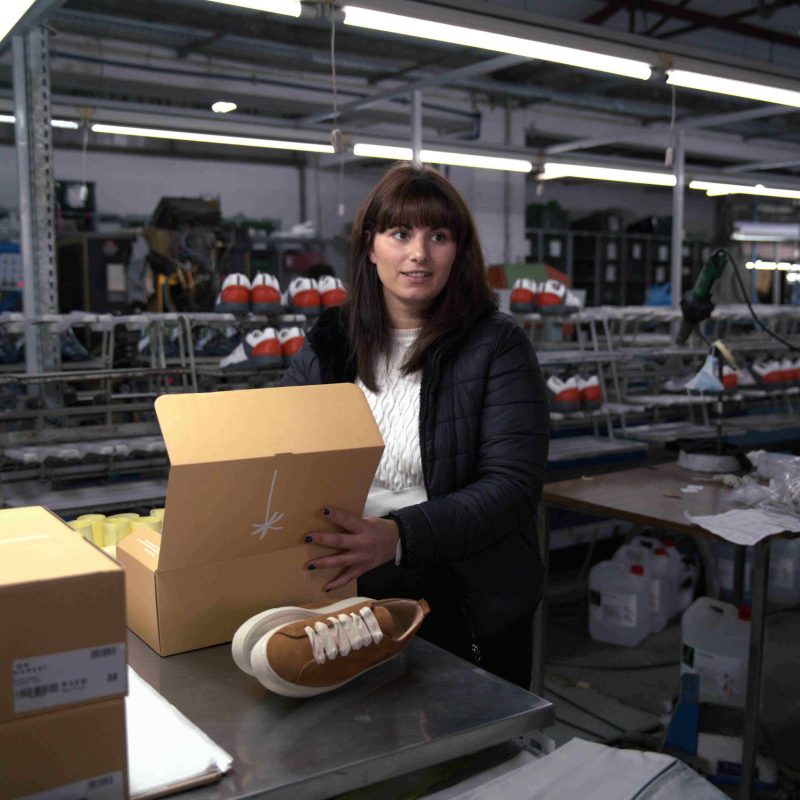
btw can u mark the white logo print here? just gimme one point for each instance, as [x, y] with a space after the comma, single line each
[270, 520]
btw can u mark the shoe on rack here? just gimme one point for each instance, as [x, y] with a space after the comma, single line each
[259, 350]
[332, 291]
[768, 373]
[249, 632]
[706, 379]
[303, 297]
[591, 392]
[325, 651]
[215, 342]
[564, 394]
[235, 295]
[524, 296]
[730, 378]
[265, 294]
[788, 371]
[554, 298]
[796, 370]
[71, 347]
[292, 340]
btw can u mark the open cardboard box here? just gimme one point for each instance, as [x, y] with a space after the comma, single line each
[250, 473]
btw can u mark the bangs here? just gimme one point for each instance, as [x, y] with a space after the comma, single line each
[420, 203]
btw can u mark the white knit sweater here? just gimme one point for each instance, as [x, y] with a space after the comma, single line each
[398, 481]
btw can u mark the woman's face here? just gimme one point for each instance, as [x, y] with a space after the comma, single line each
[413, 265]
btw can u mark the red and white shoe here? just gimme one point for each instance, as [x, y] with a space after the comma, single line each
[730, 378]
[303, 297]
[265, 295]
[332, 291]
[768, 373]
[235, 295]
[259, 350]
[796, 369]
[555, 298]
[788, 370]
[292, 340]
[591, 392]
[564, 395]
[524, 294]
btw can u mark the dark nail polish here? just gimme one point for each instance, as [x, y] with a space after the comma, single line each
[326, 511]
[307, 539]
[311, 566]
[327, 590]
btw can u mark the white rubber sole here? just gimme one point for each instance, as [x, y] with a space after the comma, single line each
[268, 678]
[248, 633]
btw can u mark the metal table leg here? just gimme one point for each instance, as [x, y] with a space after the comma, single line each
[540, 617]
[754, 667]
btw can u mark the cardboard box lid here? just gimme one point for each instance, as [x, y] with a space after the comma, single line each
[35, 545]
[252, 469]
[256, 423]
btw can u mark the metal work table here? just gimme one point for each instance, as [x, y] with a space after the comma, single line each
[651, 496]
[420, 709]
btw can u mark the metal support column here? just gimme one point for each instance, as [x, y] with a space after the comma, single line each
[36, 195]
[416, 128]
[678, 197]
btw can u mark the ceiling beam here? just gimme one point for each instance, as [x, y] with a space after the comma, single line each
[747, 12]
[449, 77]
[795, 162]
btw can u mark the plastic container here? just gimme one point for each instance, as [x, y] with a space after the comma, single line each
[619, 603]
[716, 640]
[115, 529]
[656, 568]
[724, 557]
[675, 572]
[784, 571]
[152, 522]
[83, 526]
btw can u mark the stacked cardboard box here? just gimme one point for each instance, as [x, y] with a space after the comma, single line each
[63, 666]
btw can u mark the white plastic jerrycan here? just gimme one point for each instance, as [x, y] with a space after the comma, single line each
[619, 603]
[716, 640]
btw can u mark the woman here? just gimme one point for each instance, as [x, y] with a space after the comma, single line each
[458, 396]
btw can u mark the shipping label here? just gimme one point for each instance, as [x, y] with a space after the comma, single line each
[71, 677]
[103, 787]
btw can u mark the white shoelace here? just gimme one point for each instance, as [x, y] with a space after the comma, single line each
[346, 632]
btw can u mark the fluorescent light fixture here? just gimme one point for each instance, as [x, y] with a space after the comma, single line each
[553, 171]
[11, 13]
[750, 91]
[211, 138]
[496, 42]
[713, 189]
[10, 119]
[765, 232]
[223, 107]
[783, 266]
[363, 149]
[290, 8]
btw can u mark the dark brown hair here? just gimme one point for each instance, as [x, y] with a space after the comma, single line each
[411, 197]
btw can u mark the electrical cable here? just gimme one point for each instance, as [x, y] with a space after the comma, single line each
[336, 133]
[761, 324]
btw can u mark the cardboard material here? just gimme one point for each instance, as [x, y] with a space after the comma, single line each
[84, 746]
[62, 606]
[250, 473]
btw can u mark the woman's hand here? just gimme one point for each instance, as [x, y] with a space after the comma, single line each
[366, 543]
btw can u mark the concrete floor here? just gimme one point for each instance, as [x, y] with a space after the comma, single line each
[608, 681]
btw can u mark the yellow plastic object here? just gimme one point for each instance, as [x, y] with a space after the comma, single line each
[131, 515]
[115, 530]
[97, 521]
[157, 512]
[111, 550]
[152, 522]
[85, 527]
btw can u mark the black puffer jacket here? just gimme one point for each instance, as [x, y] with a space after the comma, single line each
[483, 439]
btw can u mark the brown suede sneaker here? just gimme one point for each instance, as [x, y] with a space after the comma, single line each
[323, 652]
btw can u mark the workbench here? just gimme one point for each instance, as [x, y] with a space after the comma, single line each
[652, 496]
[420, 709]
